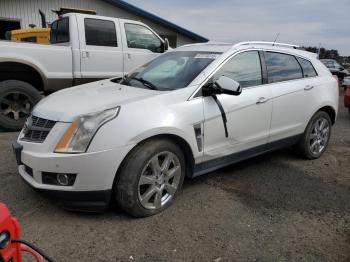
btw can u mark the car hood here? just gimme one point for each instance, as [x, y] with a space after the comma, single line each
[67, 104]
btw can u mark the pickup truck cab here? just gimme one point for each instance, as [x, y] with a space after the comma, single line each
[84, 48]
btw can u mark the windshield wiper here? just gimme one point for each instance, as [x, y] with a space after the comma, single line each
[145, 83]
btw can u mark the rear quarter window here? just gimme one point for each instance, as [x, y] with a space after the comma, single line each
[282, 67]
[60, 31]
[308, 69]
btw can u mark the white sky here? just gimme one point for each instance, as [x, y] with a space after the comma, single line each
[303, 22]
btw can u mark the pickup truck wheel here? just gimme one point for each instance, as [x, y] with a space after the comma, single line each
[316, 136]
[151, 176]
[17, 99]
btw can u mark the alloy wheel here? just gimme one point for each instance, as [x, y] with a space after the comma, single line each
[15, 106]
[319, 136]
[159, 180]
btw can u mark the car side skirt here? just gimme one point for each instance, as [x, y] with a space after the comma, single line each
[214, 164]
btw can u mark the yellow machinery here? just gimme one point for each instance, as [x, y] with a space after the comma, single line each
[42, 35]
[35, 35]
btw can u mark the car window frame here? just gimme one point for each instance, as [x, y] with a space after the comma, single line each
[284, 53]
[153, 32]
[106, 20]
[198, 94]
[261, 68]
[295, 55]
[57, 21]
[302, 69]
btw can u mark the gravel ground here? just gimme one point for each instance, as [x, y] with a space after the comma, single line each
[275, 207]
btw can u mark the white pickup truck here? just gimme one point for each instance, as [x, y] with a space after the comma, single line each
[84, 48]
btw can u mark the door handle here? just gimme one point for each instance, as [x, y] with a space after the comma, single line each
[308, 87]
[85, 54]
[128, 55]
[262, 100]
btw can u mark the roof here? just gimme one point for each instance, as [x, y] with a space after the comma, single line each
[223, 47]
[154, 18]
[206, 47]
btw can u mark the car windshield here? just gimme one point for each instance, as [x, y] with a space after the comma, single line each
[171, 71]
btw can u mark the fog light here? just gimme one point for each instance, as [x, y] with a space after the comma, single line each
[58, 179]
[62, 179]
[4, 239]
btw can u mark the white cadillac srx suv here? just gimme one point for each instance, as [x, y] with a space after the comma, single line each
[189, 111]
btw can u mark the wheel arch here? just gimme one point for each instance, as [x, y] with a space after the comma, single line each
[22, 71]
[181, 142]
[330, 111]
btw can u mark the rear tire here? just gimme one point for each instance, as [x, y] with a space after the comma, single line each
[316, 136]
[17, 99]
[150, 178]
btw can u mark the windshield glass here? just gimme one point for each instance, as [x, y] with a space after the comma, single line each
[171, 71]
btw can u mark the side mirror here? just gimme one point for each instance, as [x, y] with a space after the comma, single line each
[166, 44]
[228, 86]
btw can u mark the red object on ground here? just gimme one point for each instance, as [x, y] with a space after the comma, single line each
[10, 245]
[347, 97]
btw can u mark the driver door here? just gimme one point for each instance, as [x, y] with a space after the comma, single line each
[248, 114]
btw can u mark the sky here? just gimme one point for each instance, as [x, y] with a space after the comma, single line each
[302, 22]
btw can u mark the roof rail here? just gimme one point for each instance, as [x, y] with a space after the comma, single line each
[266, 43]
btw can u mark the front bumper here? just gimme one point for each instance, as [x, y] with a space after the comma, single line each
[95, 173]
[84, 201]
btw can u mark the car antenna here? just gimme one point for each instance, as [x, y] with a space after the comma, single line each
[278, 34]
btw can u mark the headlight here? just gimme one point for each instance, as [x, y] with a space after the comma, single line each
[80, 133]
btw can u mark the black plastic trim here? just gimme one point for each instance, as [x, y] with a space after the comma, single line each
[17, 150]
[214, 164]
[223, 114]
[84, 201]
[263, 67]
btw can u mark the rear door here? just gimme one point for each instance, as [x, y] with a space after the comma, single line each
[141, 44]
[293, 92]
[100, 48]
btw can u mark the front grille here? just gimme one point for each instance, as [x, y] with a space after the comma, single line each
[36, 129]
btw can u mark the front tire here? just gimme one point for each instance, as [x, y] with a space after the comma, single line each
[150, 178]
[316, 136]
[17, 99]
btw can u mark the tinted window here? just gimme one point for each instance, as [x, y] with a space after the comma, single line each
[100, 32]
[282, 67]
[60, 31]
[245, 68]
[308, 69]
[141, 37]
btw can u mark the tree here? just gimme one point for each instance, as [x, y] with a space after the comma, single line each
[328, 54]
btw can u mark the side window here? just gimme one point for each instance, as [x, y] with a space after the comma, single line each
[60, 31]
[100, 32]
[308, 69]
[141, 37]
[282, 67]
[244, 68]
